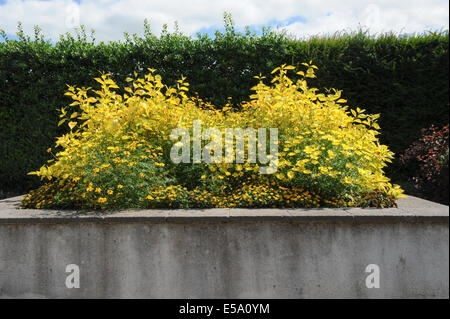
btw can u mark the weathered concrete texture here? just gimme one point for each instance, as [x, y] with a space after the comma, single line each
[226, 253]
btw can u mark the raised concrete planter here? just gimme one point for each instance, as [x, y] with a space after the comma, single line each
[226, 253]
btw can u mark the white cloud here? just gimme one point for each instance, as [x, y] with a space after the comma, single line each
[378, 16]
[110, 18]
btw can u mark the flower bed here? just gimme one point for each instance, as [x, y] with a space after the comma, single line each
[123, 150]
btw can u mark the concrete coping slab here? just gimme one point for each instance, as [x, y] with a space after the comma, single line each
[410, 209]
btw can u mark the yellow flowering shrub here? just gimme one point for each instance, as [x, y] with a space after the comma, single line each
[118, 151]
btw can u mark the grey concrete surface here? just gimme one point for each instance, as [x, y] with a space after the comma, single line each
[226, 253]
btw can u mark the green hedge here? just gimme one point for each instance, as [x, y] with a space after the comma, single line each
[405, 79]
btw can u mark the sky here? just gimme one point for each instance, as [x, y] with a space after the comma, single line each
[300, 18]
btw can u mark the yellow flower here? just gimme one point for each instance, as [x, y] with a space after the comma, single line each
[323, 169]
[110, 192]
[102, 200]
[347, 180]
[119, 186]
[308, 149]
[98, 190]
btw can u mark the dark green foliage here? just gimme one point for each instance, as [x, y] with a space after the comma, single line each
[404, 78]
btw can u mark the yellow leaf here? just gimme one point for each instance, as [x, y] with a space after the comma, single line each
[72, 125]
[274, 70]
[61, 122]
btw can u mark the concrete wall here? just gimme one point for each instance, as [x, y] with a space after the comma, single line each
[225, 253]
